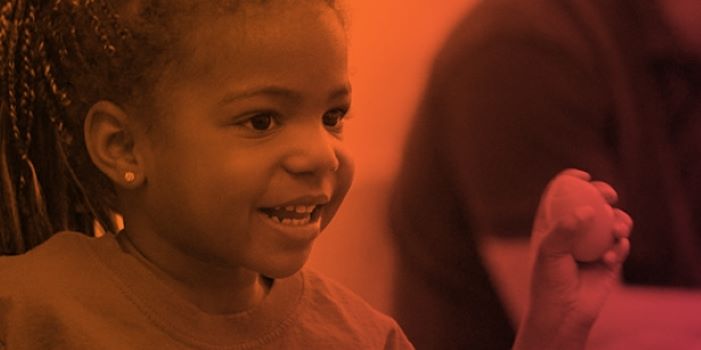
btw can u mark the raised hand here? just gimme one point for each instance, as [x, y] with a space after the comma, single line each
[567, 295]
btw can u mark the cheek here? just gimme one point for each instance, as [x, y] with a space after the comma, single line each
[343, 181]
[346, 169]
[234, 183]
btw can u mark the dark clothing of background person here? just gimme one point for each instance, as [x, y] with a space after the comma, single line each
[522, 90]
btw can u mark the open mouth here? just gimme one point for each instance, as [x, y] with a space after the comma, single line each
[294, 215]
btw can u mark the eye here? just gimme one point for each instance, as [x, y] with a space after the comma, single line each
[261, 122]
[334, 119]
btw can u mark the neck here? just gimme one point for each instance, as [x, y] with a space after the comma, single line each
[213, 288]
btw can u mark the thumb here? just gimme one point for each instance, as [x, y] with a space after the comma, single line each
[560, 239]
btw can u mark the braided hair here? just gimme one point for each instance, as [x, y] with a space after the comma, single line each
[40, 183]
[57, 58]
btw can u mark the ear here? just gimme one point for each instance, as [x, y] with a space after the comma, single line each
[109, 138]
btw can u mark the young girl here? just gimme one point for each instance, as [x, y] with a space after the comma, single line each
[215, 129]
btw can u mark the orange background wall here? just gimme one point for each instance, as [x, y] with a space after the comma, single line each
[392, 44]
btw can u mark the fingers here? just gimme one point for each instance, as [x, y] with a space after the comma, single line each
[618, 254]
[560, 239]
[623, 224]
[610, 195]
[606, 190]
[576, 173]
[622, 221]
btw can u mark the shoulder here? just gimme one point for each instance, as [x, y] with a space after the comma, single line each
[38, 286]
[335, 312]
[55, 263]
[62, 247]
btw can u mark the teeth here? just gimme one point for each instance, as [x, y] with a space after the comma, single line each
[308, 209]
[300, 221]
[292, 222]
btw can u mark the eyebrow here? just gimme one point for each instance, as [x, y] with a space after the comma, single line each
[280, 92]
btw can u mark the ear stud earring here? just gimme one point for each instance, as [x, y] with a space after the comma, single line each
[129, 176]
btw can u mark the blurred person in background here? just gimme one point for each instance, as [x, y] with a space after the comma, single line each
[521, 90]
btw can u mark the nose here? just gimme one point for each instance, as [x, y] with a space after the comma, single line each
[312, 152]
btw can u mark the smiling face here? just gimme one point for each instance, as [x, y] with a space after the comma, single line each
[246, 165]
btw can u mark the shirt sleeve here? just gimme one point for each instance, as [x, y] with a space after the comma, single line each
[514, 111]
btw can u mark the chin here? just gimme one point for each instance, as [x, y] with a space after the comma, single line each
[284, 266]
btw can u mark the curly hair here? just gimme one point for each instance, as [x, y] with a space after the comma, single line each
[57, 58]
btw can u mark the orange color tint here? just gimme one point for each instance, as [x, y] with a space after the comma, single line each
[392, 45]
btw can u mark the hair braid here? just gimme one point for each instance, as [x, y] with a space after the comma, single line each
[12, 14]
[57, 94]
[11, 236]
[8, 213]
[74, 208]
[28, 77]
[98, 26]
[29, 89]
[33, 200]
[118, 29]
[11, 76]
[5, 18]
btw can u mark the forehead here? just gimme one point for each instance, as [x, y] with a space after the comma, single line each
[265, 36]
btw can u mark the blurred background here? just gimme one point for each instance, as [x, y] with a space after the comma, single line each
[392, 45]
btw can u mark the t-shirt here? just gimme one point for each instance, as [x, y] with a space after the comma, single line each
[521, 91]
[79, 292]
